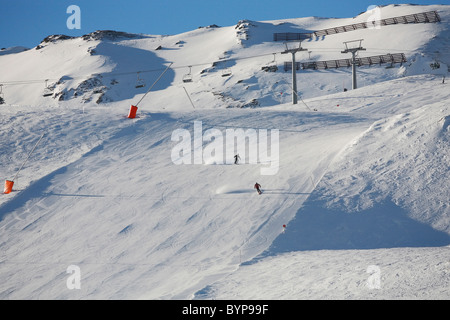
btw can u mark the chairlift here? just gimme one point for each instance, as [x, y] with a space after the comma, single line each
[188, 77]
[226, 72]
[274, 61]
[271, 66]
[47, 90]
[140, 83]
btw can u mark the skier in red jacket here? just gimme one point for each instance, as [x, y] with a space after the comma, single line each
[257, 187]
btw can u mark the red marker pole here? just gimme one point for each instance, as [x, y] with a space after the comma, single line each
[133, 109]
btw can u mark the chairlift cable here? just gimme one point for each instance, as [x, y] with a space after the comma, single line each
[298, 96]
[29, 155]
[168, 67]
[36, 81]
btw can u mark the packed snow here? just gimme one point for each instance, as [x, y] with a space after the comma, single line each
[357, 207]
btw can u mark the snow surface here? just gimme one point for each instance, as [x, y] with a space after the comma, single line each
[362, 185]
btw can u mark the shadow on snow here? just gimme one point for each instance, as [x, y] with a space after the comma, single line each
[385, 225]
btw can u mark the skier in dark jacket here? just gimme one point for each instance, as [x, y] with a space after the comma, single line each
[258, 188]
[236, 158]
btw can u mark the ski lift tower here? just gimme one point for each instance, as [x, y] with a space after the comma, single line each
[293, 49]
[353, 47]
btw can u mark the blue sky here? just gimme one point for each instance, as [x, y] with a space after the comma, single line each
[27, 22]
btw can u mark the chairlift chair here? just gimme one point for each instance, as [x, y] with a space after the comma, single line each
[188, 77]
[226, 72]
[140, 83]
[272, 66]
[47, 91]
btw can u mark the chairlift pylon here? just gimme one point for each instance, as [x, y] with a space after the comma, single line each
[188, 77]
[140, 83]
[47, 91]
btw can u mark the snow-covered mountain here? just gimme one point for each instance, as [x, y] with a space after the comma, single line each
[104, 66]
[360, 191]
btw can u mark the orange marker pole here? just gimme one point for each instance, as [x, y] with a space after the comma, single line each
[132, 113]
[8, 186]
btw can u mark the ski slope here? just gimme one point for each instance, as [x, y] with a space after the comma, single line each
[361, 179]
[380, 212]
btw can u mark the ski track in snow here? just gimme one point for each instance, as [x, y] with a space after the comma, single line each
[186, 224]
